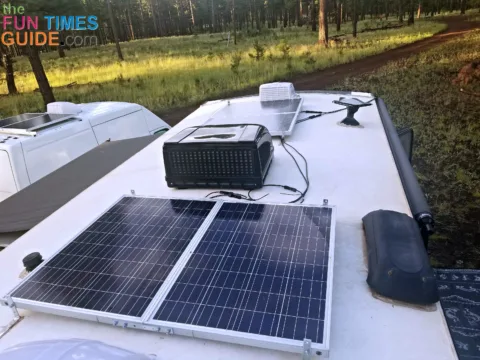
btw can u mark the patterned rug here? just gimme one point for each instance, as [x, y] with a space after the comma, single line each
[460, 298]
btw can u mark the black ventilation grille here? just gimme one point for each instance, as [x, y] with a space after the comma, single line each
[224, 163]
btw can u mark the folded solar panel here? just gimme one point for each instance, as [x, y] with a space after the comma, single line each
[248, 273]
[278, 117]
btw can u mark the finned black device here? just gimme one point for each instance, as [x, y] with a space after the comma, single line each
[352, 104]
[218, 156]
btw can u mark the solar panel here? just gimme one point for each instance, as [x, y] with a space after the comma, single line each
[17, 119]
[118, 263]
[32, 121]
[248, 273]
[259, 269]
[277, 116]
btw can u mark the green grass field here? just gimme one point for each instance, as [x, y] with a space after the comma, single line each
[419, 93]
[165, 73]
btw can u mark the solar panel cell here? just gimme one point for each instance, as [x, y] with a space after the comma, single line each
[118, 263]
[259, 269]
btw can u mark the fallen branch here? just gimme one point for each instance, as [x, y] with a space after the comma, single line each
[386, 27]
[63, 86]
[470, 92]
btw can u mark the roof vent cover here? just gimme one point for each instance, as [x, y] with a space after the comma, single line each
[277, 91]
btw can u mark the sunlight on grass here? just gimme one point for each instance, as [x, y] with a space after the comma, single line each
[170, 72]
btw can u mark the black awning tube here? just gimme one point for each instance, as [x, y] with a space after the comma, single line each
[415, 196]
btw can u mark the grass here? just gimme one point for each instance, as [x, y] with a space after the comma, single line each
[419, 93]
[172, 72]
[475, 18]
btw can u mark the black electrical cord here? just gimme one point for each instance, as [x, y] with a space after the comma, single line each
[317, 114]
[301, 198]
[248, 197]
[321, 113]
[231, 194]
[286, 187]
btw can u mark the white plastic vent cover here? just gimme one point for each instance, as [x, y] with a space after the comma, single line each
[277, 91]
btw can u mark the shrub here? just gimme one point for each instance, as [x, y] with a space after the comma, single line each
[284, 48]
[259, 51]
[309, 61]
[235, 62]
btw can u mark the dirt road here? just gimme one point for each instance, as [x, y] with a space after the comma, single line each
[456, 26]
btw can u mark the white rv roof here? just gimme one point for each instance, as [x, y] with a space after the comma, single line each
[100, 112]
[351, 167]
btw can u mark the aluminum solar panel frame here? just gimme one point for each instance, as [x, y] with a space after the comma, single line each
[20, 298]
[279, 117]
[255, 338]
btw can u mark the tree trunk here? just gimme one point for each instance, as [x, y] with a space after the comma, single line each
[463, 5]
[400, 11]
[354, 18]
[234, 23]
[39, 72]
[322, 24]
[7, 63]
[255, 14]
[213, 16]
[114, 29]
[338, 14]
[142, 22]
[154, 18]
[419, 10]
[10, 75]
[297, 13]
[314, 16]
[411, 13]
[191, 12]
[130, 25]
[60, 47]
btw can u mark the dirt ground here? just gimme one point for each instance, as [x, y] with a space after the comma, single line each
[319, 80]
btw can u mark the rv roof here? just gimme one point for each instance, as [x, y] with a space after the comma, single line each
[99, 112]
[351, 167]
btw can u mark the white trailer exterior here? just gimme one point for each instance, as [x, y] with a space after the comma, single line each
[27, 156]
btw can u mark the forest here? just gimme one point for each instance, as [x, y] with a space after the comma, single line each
[139, 19]
[326, 23]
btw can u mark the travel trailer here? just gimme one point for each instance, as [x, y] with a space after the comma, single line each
[179, 254]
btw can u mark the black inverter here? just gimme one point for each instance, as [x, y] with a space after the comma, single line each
[218, 156]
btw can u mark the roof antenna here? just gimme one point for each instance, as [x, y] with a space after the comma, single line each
[352, 104]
